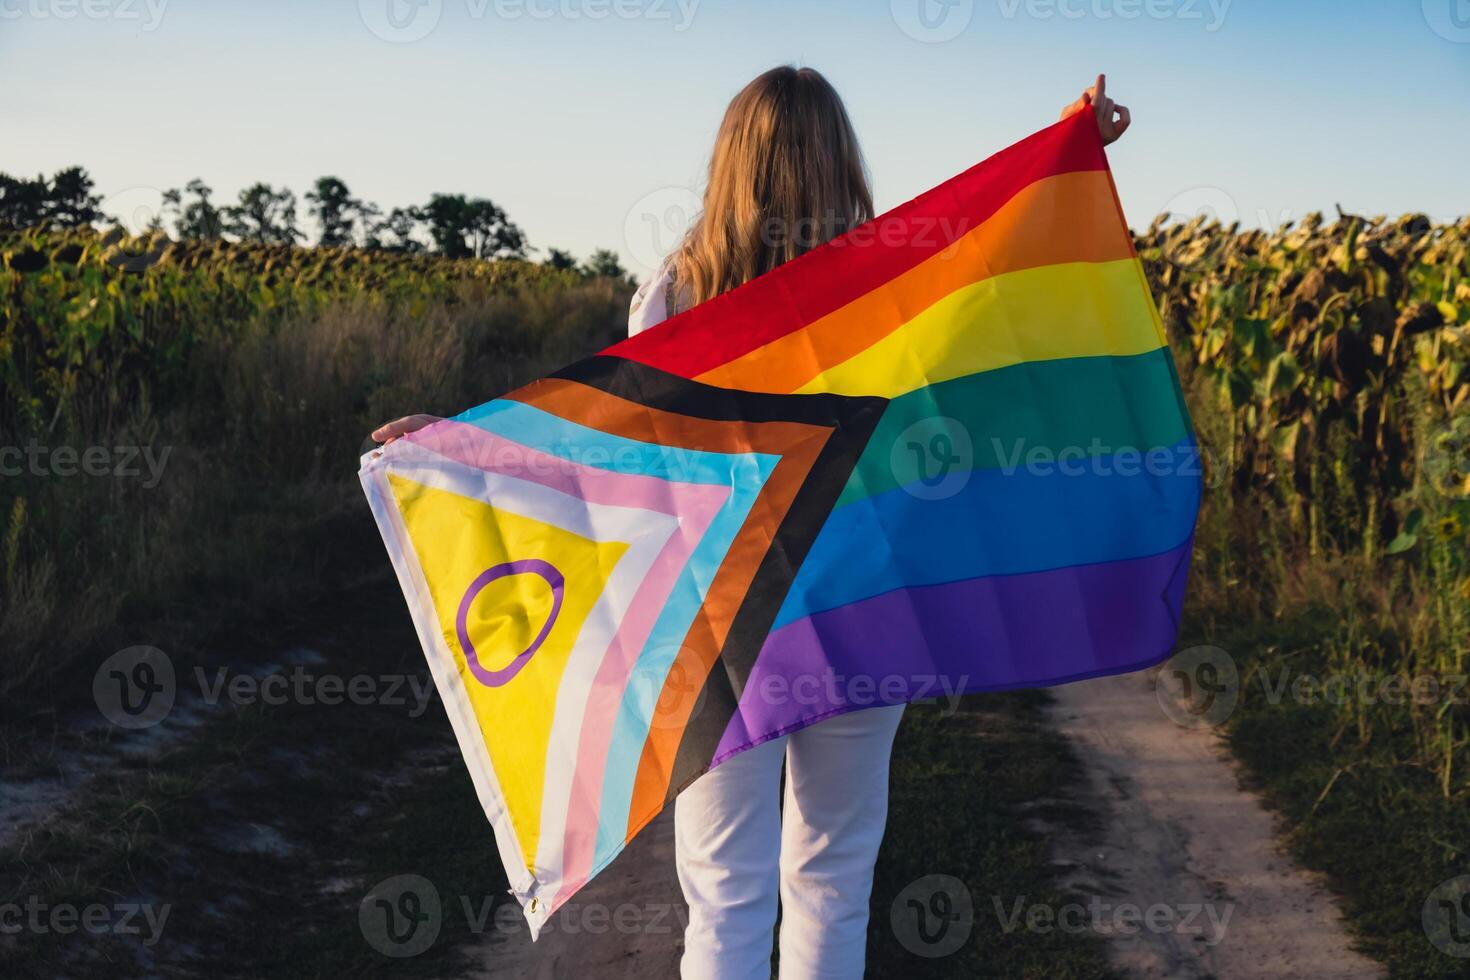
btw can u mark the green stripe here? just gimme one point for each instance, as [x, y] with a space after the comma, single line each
[1092, 405]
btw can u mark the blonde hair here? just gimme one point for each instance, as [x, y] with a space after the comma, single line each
[785, 176]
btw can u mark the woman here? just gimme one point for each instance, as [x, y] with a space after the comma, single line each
[786, 175]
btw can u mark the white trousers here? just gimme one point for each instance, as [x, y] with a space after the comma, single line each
[737, 849]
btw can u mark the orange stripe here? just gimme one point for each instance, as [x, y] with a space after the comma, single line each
[1021, 235]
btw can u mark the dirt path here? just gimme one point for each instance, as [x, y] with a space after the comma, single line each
[627, 923]
[1175, 836]
[1175, 829]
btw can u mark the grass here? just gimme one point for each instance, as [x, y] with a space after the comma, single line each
[962, 788]
[261, 456]
[255, 539]
[1364, 812]
[247, 543]
[359, 793]
[342, 795]
[1371, 787]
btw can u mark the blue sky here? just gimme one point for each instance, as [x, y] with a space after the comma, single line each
[590, 121]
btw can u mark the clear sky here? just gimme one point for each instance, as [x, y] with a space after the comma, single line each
[590, 121]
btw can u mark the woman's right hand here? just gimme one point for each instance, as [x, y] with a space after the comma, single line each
[399, 428]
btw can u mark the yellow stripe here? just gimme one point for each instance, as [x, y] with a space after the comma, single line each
[1065, 218]
[1077, 309]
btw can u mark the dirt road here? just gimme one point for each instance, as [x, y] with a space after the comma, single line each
[1177, 831]
[1176, 837]
[627, 923]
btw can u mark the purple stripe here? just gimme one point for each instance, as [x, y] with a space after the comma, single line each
[983, 634]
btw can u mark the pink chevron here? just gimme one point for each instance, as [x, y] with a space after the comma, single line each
[605, 698]
[695, 506]
[473, 446]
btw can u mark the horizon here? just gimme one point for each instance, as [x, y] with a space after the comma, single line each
[567, 97]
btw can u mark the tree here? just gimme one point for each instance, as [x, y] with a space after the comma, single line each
[22, 201]
[493, 234]
[395, 232]
[335, 209]
[559, 260]
[605, 263]
[65, 200]
[264, 214]
[462, 228]
[199, 218]
[446, 216]
[367, 220]
[70, 201]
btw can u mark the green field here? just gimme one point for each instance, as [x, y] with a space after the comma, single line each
[1324, 364]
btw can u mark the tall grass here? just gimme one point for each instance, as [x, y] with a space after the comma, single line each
[260, 435]
[1320, 360]
[1324, 365]
[1324, 368]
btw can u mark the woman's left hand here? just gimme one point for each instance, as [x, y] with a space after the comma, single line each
[398, 428]
[1112, 118]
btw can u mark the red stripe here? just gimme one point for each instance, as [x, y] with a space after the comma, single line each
[828, 278]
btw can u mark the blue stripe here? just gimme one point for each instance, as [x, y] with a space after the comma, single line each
[1001, 522]
[630, 730]
[556, 436]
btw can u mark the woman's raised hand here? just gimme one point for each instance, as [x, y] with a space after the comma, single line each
[1112, 118]
[402, 427]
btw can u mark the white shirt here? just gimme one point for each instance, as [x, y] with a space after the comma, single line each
[654, 302]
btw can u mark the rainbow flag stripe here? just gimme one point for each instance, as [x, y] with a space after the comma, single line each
[944, 453]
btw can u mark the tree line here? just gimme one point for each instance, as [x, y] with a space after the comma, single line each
[451, 225]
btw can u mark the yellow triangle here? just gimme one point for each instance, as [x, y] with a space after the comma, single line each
[456, 540]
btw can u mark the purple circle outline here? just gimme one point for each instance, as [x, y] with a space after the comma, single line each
[523, 566]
